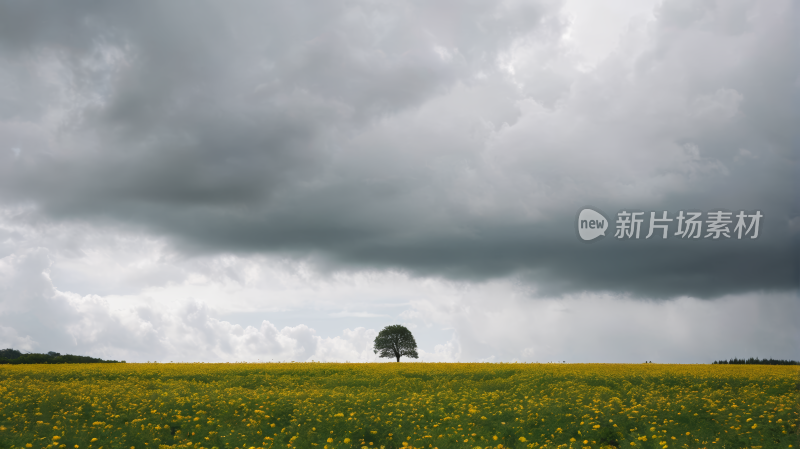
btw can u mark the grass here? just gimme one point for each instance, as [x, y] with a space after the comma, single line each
[391, 406]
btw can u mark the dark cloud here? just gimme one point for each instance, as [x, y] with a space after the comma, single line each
[437, 138]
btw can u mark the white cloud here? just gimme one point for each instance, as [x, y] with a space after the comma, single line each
[182, 330]
[601, 328]
[357, 314]
[596, 28]
[720, 106]
[9, 338]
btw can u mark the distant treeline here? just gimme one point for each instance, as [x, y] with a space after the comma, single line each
[755, 361]
[15, 357]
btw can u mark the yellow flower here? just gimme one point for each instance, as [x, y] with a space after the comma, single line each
[522, 439]
[330, 440]
[346, 440]
[494, 437]
[585, 441]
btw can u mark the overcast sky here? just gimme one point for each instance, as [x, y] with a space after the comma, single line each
[278, 180]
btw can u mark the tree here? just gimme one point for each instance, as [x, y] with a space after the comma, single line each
[396, 341]
[9, 353]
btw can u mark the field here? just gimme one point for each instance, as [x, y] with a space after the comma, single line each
[389, 405]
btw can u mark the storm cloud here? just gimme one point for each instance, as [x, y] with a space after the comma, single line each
[449, 138]
[444, 141]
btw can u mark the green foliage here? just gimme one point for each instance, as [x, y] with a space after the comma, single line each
[15, 357]
[9, 353]
[396, 341]
[607, 436]
[755, 361]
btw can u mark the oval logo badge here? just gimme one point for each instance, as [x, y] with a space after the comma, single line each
[591, 224]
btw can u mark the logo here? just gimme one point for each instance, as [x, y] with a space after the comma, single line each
[591, 224]
[719, 225]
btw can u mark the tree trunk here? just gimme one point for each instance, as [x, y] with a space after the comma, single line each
[398, 358]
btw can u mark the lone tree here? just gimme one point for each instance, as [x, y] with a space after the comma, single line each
[396, 341]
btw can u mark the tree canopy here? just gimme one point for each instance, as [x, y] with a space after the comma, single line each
[15, 357]
[396, 341]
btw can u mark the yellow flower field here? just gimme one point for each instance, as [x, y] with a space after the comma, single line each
[390, 405]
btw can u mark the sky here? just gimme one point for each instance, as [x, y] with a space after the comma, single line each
[279, 180]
